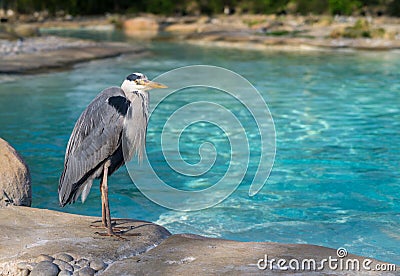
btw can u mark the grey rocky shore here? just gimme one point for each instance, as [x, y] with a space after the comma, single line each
[259, 32]
[33, 45]
[44, 242]
[40, 54]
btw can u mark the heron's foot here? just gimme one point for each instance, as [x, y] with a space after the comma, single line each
[96, 224]
[101, 226]
[120, 234]
[114, 235]
[116, 229]
[120, 229]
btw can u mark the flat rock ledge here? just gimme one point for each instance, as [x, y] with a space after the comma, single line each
[29, 236]
[61, 56]
[43, 242]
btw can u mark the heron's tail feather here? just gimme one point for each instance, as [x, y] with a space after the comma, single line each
[86, 189]
[66, 194]
[69, 193]
[64, 190]
[69, 189]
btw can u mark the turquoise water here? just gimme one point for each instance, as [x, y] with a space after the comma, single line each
[336, 176]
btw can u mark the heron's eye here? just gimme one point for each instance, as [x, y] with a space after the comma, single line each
[141, 82]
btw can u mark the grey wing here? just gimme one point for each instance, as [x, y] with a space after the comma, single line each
[95, 137]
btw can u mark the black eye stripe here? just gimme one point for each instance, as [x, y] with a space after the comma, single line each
[132, 77]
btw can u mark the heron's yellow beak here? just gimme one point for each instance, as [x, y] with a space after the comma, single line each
[152, 84]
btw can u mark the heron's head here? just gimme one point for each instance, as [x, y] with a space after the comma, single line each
[139, 82]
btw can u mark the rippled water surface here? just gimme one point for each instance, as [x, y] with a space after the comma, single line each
[336, 178]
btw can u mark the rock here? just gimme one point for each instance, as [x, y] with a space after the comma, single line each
[62, 265]
[140, 24]
[64, 257]
[196, 255]
[82, 262]
[45, 268]
[24, 272]
[25, 265]
[28, 232]
[86, 271]
[15, 180]
[183, 28]
[22, 265]
[65, 273]
[97, 264]
[143, 27]
[43, 257]
[5, 32]
[154, 252]
[26, 30]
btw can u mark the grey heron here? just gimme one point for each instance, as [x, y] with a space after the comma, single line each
[95, 149]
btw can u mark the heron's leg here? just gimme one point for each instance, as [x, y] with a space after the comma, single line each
[103, 205]
[106, 204]
[105, 209]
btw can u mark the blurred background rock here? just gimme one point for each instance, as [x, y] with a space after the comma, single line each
[28, 10]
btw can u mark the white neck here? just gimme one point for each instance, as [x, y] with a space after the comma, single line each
[129, 86]
[136, 121]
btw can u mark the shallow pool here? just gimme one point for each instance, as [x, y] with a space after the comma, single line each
[336, 179]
